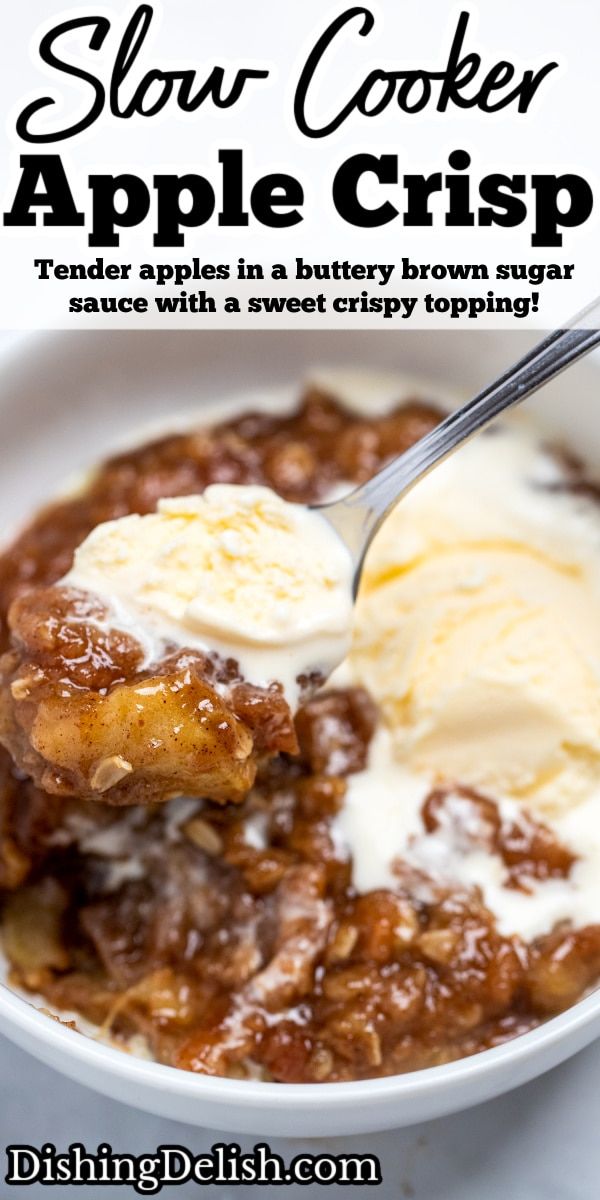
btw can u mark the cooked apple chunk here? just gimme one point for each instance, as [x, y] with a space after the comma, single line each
[83, 715]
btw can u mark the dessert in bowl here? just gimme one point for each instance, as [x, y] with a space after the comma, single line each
[405, 877]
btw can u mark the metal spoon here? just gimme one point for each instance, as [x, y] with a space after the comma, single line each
[357, 517]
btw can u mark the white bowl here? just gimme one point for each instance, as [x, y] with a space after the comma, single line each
[66, 399]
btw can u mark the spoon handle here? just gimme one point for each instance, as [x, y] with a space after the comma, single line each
[358, 516]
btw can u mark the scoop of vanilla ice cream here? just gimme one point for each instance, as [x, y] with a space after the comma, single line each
[236, 570]
[478, 626]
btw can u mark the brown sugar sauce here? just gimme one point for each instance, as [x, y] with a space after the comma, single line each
[230, 936]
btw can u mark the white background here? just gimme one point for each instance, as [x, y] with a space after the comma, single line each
[538, 1143]
[558, 134]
